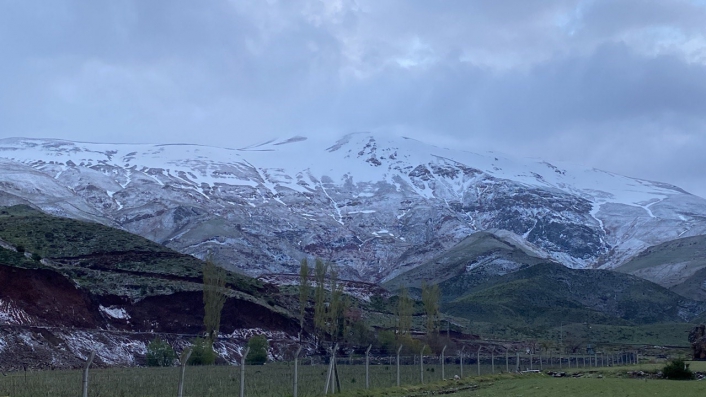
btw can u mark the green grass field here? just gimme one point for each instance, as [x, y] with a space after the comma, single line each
[274, 380]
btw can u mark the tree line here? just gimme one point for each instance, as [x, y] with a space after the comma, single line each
[336, 319]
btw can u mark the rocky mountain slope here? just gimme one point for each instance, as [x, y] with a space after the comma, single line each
[376, 205]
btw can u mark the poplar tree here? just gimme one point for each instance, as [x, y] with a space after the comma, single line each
[430, 299]
[404, 312]
[304, 286]
[320, 296]
[335, 305]
[214, 297]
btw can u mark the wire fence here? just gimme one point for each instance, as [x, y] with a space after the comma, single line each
[300, 377]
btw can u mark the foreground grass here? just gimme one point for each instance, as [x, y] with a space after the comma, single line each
[275, 379]
[595, 382]
[544, 386]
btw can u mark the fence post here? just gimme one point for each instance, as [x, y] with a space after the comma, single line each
[443, 364]
[398, 365]
[367, 367]
[492, 361]
[421, 364]
[330, 382]
[242, 372]
[517, 361]
[85, 373]
[296, 371]
[462, 351]
[184, 359]
[478, 359]
[507, 360]
[531, 355]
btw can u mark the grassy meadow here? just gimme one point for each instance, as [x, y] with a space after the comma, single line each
[273, 380]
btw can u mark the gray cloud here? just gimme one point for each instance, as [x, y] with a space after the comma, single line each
[619, 85]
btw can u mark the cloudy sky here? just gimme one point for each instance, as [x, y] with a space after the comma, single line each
[614, 84]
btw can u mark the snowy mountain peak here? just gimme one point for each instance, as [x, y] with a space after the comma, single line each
[373, 203]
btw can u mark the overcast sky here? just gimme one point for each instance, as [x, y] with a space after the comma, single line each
[614, 84]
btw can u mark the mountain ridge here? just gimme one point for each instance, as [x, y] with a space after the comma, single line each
[373, 204]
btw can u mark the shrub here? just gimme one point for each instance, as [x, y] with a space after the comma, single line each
[20, 248]
[677, 369]
[160, 354]
[258, 350]
[36, 257]
[202, 353]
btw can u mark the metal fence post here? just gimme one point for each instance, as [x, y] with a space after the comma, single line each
[242, 372]
[492, 361]
[330, 382]
[367, 367]
[443, 364]
[398, 364]
[507, 359]
[462, 351]
[184, 359]
[296, 371]
[478, 360]
[421, 364]
[85, 373]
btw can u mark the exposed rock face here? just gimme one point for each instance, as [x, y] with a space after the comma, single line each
[697, 338]
[372, 204]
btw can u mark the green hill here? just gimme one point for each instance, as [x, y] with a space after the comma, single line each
[476, 259]
[547, 294]
[679, 265]
[46, 259]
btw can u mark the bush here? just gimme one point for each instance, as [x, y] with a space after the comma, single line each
[677, 369]
[160, 354]
[258, 350]
[36, 257]
[20, 248]
[202, 353]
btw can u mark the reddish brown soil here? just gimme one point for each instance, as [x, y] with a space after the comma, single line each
[53, 300]
[48, 297]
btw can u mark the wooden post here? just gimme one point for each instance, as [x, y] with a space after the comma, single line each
[517, 361]
[367, 367]
[398, 365]
[531, 360]
[443, 372]
[242, 372]
[296, 371]
[184, 359]
[85, 373]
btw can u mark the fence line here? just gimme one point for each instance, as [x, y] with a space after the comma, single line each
[330, 373]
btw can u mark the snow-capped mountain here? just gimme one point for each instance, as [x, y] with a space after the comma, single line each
[373, 204]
